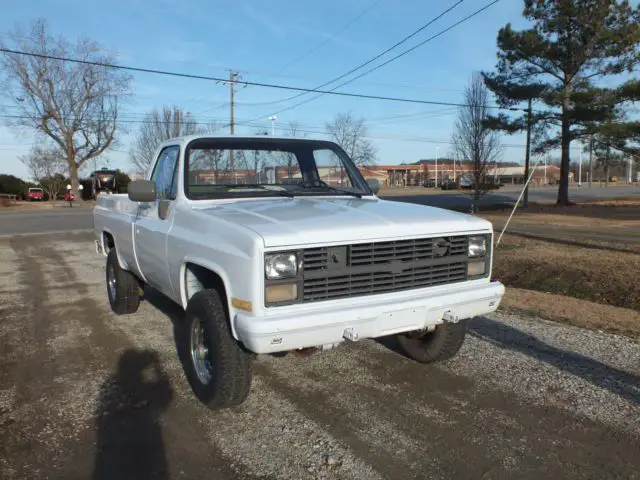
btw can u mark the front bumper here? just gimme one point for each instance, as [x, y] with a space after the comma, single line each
[414, 311]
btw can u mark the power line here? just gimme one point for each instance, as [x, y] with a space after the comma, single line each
[240, 82]
[408, 37]
[250, 123]
[468, 17]
[379, 136]
[326, 40]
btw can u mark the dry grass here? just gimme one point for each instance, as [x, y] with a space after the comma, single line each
[604, 277]
[604, 213]
[617, 202]
[580, 313]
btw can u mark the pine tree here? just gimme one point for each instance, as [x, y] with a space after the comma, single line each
[558, 59]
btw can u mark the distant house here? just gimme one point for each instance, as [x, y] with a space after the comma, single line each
[515, 175]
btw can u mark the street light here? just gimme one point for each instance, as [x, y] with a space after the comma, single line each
[273, 119]
[580, 170]
[437, 148]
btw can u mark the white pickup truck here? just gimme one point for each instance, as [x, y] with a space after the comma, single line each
[275, 244]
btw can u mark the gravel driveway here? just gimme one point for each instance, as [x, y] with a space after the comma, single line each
[86, 394]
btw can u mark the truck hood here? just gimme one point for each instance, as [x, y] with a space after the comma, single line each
[304, 221]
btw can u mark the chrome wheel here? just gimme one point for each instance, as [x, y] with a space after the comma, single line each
[111, 281]
[200, 352]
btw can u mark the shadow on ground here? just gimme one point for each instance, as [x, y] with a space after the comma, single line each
[129, 434]
[175, 313]
[624, 384]
[621, 383]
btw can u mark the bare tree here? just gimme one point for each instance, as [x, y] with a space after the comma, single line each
[473, 140]
[287, 159]
[48, 168]
[74, 104]
[294, 128]
[350, 133]
[157, 127]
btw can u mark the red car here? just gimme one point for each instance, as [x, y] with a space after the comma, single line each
[35, 194]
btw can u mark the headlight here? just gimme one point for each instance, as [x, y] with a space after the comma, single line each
[477, 247]
[280, 265]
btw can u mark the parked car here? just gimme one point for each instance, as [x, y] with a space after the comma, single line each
[35, 194]
[448, 184]
[267, 268]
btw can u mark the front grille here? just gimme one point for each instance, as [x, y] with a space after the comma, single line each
[382, 267]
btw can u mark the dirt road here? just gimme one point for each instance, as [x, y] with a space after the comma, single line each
[86, 394]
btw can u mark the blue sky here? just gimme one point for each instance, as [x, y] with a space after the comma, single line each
[264, 41]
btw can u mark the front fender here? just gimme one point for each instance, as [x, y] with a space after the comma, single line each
[214, 268]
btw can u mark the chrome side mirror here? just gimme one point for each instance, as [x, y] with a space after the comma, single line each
[142, 191]
[374, 184]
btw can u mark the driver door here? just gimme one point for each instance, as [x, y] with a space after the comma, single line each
[155, 219]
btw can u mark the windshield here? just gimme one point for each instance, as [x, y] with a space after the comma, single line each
[250, 167]
[35, 190]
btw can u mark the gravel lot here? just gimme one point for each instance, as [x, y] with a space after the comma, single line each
[86, 394]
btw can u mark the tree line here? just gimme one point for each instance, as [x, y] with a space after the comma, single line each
[548, 81]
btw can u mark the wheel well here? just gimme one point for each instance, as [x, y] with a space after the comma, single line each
[197, 278]
[107, 240]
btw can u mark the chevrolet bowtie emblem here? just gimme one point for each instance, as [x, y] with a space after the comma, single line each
[440, 247]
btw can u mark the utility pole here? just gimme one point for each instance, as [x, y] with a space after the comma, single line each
[527, 156]
[232, 78]
[590, 159]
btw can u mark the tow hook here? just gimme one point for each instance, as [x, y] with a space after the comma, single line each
[351, 334]
[450, 317]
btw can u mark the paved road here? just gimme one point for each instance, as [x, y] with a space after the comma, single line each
[509, 195]
[65, 219]
[61, 219]
[87, 394]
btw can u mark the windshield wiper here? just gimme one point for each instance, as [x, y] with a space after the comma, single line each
[346, 192]
[322, 184]
[282, 192]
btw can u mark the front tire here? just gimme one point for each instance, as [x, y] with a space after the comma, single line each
[122, 287]
[217, 367]
[439, 345]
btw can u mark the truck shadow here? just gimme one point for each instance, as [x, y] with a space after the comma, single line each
[129, 437]
[175, 313]
[501, 335]
[621, 383]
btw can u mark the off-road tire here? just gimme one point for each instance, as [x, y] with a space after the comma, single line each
[124, 298]
[441, 344]
[230, 364]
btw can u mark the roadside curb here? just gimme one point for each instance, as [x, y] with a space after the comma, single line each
[50, 232]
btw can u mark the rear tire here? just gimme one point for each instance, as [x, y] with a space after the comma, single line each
[217, 367]
[430, 347]
[122, 287]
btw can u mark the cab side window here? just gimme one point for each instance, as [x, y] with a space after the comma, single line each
[165, 173]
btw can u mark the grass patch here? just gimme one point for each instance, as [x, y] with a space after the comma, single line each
[572, 311]
[605, 212]
[603, 277]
